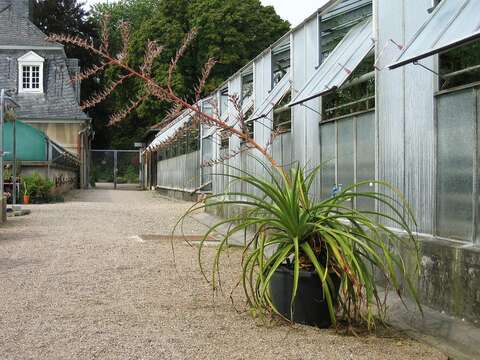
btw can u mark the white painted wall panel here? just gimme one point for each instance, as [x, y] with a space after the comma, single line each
[419, 125]
[234, 89]
[181, 172]
[299, 78]
[305, 124]
[262, 86]
[390, 96]
[405, 111]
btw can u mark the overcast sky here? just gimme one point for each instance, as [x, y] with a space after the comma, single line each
[293, 11]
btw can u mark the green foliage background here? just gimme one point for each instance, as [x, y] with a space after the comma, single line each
[231, 31]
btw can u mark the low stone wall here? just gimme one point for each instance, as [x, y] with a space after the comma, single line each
[65, 179]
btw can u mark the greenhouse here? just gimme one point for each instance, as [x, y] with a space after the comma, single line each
[371, 96]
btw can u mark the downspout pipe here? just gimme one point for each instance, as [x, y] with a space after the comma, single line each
[2, 106]
[84, 183]
[3, 100]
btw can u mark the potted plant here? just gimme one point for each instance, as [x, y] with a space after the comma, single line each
[38, 188]
[26, 193]
[314, 261]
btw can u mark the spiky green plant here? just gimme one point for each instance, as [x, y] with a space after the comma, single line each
[327, 236]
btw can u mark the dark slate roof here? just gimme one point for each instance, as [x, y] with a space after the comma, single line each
[58, 102]
[17, 30]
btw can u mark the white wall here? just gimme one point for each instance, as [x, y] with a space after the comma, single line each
[405, 109]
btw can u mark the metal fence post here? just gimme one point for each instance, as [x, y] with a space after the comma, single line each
[115, 169]
[14, 170]
[2, 103]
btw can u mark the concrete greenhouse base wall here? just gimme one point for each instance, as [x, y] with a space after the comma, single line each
[178, 194]
[450, 278]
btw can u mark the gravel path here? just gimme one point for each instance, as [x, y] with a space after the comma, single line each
[77, 284]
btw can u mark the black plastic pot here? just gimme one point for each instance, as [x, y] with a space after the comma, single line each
[310, 307]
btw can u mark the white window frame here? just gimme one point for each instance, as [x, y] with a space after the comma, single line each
[30, 60]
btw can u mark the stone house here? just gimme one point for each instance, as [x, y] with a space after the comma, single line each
[37, 73]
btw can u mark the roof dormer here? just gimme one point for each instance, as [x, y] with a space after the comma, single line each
[30, 73]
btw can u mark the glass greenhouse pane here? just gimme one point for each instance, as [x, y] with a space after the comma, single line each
[340, 64]
[366, 157]
[327, 151]
[207, 155]
[171, 129]
[453, 22]
[456, 125]
[223, 102]
[277, 93]
[345, 153]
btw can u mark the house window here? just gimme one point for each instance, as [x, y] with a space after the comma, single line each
[30, 70]
[30, 77]
[282, 114]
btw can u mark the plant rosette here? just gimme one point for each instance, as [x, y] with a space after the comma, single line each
[311, 260]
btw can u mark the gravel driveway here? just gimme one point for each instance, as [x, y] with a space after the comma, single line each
[76, 283]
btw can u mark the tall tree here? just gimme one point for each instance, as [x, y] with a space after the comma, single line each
[66, 17]
[231, 31]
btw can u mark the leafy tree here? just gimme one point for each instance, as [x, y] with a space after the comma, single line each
[231, 31]
[65, 17]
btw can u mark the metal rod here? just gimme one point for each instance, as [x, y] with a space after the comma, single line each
[350, 103]
[359, 80]
[115, 170]
[460, 72]
[10, 100]
[312, 109]
[428, 69]
[14, 170]
[130, 151]
[2, 104]
[316, 95]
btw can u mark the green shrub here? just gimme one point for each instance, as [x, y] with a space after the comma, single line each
[131, 175]
[40, 188]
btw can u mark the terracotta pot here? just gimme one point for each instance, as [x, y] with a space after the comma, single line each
[26, 199]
